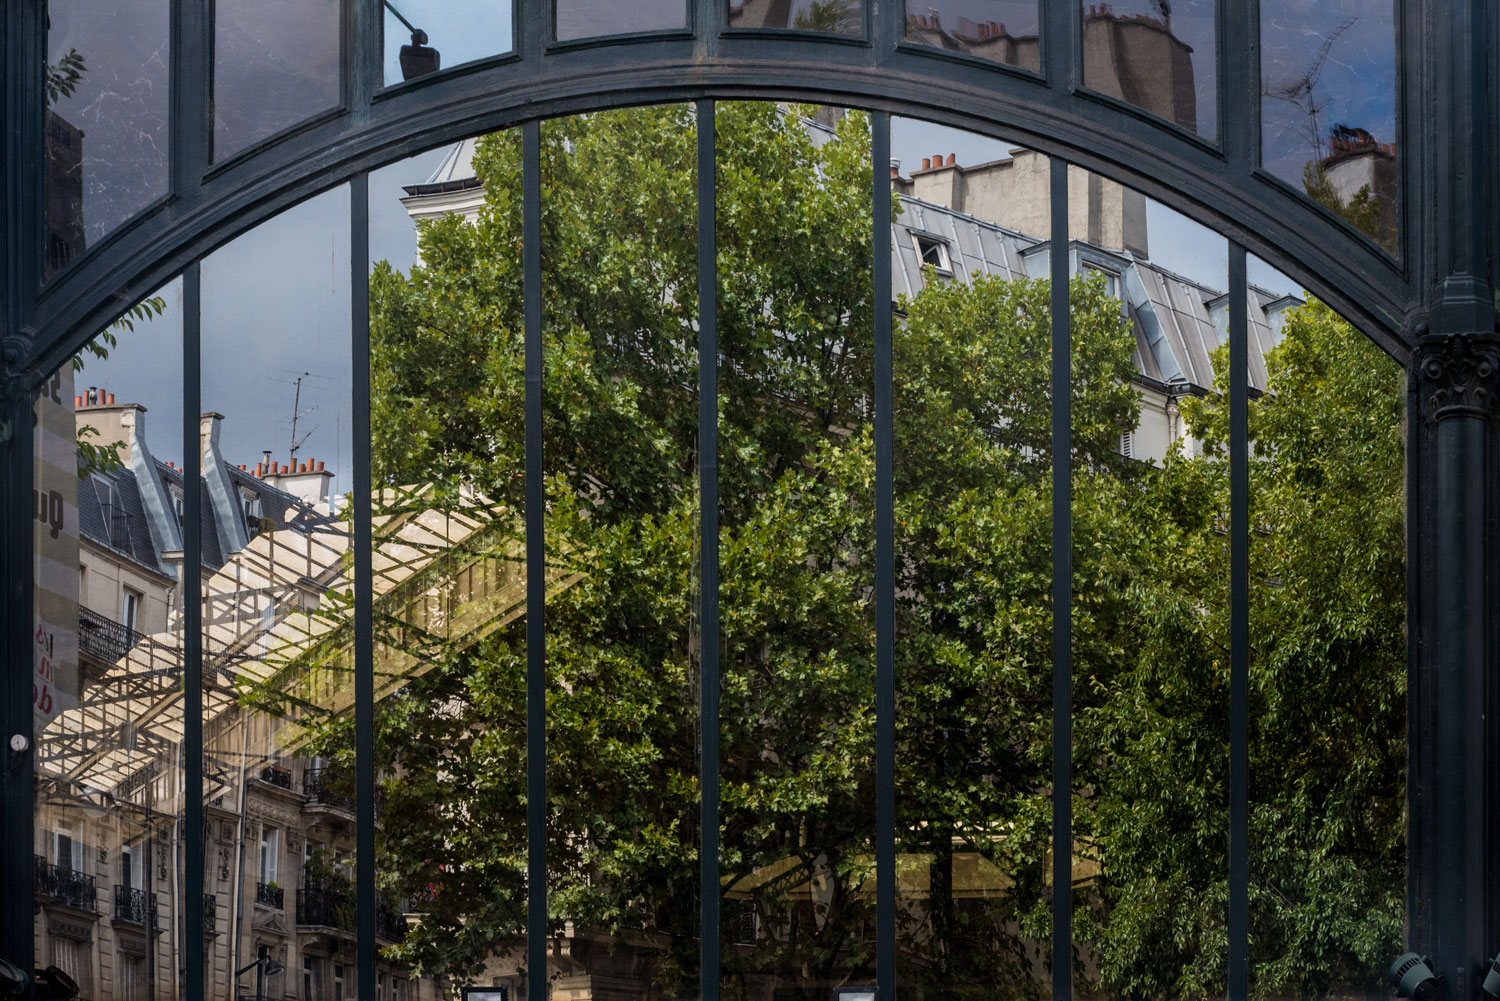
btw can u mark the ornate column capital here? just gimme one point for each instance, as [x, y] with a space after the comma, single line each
[1459, 375]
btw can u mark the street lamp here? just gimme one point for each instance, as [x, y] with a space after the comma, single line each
[417, 59]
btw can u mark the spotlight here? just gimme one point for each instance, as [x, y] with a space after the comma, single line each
[13, 980]
[418, 58]
[1491, 985]
[53, 984]
[1413, 977]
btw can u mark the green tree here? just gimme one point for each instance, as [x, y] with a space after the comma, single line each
[974, 618]
[1328, 687]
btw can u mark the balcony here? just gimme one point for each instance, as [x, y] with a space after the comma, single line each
[389, 924]
[270, 896]
[210, 914]
[277, 775]
[64, 886]
[323, 787]
[135, 907]
[328, 906]
[103, 638]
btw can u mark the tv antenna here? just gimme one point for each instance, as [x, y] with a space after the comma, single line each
[298, 413]
[1299, 93]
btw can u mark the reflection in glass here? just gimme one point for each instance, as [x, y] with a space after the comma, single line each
[973, 650]
[108, 658]
[1328, 106]
[594, 18]
[1002, 31]
[1160, 56]
[1328, 665]
[1150, 627]
[449, 589]
[106, 124]
[277, 679]
[839, 17]
[450, 33]
[621, 391]
[276, 62]
[796, 488]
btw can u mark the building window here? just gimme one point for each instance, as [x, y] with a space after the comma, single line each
[72, 957]
[130, 609]
[67, 853]
[1111, 279]
[132, 978]
[132, 866]
[380, 987]
[338, 982]
[933, 253]
[312, 978]
[1127, 444]
[270, 849]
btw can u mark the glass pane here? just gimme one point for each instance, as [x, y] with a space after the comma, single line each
[1157, 54]
[106, 127]
[275, 436]
[449, 33]
[1002, 31]
[107, 688]
[449, 587]
[276, 62]
[621, 392]
[1328, 106]
[1328, 666]
[593, 18]
[1150, 621]
[796, 467]
[973, 513]
[840, 17]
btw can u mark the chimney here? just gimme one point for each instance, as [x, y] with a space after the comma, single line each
[952, 159]
[307, 480]
[926, 163]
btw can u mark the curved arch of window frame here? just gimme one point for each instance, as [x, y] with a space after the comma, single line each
[1214, 184]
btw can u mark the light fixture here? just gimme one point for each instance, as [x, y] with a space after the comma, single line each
[1491, 985]
[1413, 977]
[418, 58]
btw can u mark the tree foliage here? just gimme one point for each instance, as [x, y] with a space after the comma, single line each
[973, 514]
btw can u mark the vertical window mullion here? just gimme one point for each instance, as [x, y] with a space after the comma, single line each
[885, 593]
[708, 487]
[364, 643]
[1239, 629]
[190, 591]
[1062, 595]
[536, 566]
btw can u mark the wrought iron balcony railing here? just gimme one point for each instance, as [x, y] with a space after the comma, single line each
[63, 885]
[329, 906]
[277, 775]
[389, 924]
[271, 896]
[104, 638]
[135, 906]
[210, 914]
[322, 786]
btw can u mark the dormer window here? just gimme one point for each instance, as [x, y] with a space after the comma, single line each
[934, 253]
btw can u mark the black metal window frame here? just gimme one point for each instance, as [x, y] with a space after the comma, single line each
[1431, 307]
